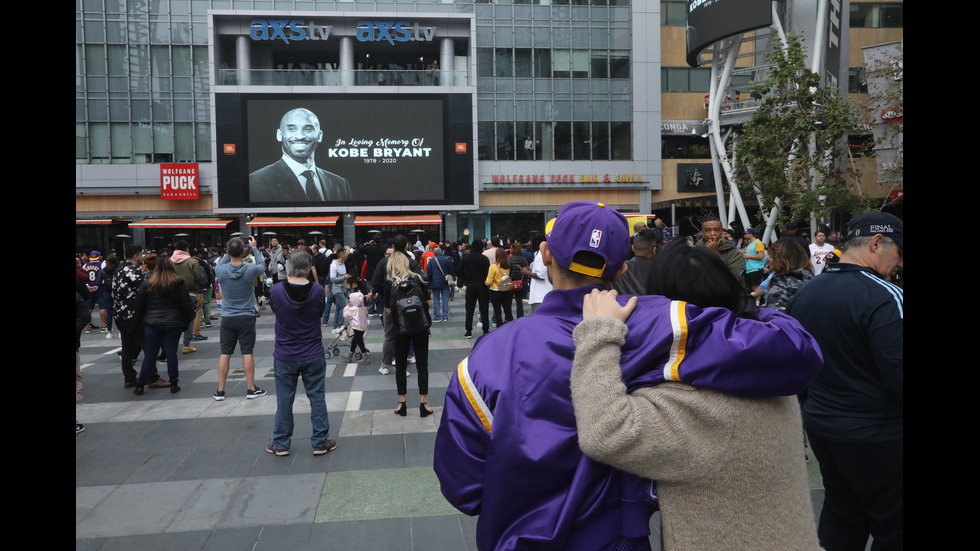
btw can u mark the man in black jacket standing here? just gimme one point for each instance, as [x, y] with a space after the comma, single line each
[473, 270]
[853, 412]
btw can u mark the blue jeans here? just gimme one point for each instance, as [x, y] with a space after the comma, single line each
[440, 303]
[340, 299]
[313, 372]
[154, 339]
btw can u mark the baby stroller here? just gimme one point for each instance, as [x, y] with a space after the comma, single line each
[340, 339]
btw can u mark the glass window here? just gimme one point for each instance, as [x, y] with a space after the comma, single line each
[484, 62]
[503, 62]
[600, 65]
[877, 15]
[98, 142]
[95, 60]
[600, 141]
[81, 152]
[563, 141]
[855, 78]
[673, 14]
[116, 60]
[183, 142]
[622, 143]
[525, 133]
[580, 63]
[582, 145]
[182, 61]
[121, 143]
[619, 64]
[563, 63]
[522, 63]
[505, 142]
[542, 63]
[544, 147]
[700, 80]
[485, 141]
[203, 136]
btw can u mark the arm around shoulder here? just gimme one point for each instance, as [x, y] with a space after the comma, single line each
[662, 432]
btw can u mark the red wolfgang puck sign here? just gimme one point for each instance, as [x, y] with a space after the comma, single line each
[179, 181]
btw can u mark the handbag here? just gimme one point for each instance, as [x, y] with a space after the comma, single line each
[450, 280]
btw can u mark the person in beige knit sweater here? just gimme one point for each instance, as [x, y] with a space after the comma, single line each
[729, 470]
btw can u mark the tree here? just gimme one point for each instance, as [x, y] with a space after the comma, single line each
[794, 144]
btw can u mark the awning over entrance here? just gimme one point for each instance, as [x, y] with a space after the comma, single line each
[399, 220]
[262, 221]
[195, 223]
[93, 222]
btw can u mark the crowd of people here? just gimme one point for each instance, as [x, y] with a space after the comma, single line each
[647, 375]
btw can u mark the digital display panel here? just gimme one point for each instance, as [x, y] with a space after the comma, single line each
[709, 21]
[304, 150]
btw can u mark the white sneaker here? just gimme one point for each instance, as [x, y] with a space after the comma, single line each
[411, 359]
[108, 335]
[337, 330]
[383, 369]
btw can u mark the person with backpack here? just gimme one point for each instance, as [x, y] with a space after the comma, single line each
[408, 305]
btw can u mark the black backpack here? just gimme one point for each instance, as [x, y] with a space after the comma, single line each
[411, 314]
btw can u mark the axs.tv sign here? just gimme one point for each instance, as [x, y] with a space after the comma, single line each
[367, 31]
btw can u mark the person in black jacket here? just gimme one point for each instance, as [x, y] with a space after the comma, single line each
[165, 309]
[473, 270]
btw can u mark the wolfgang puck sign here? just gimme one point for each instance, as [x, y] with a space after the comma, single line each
[179, 181]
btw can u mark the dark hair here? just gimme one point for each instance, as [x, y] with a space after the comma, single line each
[699, 276]
[501, 256]
[236, 247]
[787, 255]
[645, 241]
[710, 218]
[133, 250]
[476, 247]
[181, 245]
[399, 242]
[164, 279]
[111, 261]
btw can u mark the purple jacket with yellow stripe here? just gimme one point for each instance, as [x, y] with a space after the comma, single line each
[507, 446]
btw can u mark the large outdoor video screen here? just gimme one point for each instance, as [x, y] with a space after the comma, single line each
[709, 21]
[304, 150]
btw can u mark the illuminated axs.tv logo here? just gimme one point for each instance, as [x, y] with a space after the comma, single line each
[393, 31]
[288, 29]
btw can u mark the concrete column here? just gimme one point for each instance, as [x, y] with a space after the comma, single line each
[348, 221]
[447, 62]
[645, 200]
[243, 61]
[450, 229]
[347, 64]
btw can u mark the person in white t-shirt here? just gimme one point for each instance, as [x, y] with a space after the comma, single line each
[818, 250]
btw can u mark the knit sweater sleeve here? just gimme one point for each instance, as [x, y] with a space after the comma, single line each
[669, 432]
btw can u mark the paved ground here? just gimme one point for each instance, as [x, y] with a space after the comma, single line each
[183, 472]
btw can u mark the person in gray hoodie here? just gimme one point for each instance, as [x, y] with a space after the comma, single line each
[237, 277]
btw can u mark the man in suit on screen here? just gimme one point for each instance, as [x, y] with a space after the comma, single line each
[295, 177]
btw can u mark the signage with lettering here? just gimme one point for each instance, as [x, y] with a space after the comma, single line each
[566, 178]
[695, 178]
[393, 31]
[288, 29]
[179, 181]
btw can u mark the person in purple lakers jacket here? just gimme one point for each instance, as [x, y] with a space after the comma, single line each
[507, 447]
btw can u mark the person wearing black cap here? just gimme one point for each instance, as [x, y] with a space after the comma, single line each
[853, 411]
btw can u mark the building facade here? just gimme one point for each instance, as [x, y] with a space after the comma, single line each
[550, 101]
